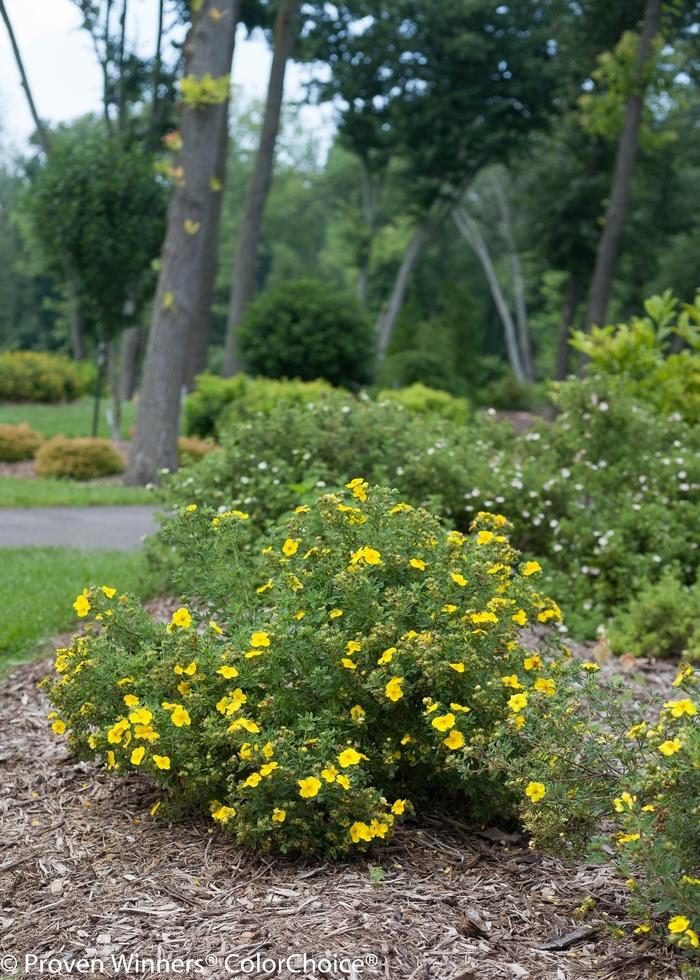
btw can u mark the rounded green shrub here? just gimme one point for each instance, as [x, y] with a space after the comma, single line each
[364, 661]
[78, 459]
[32, 376]
[662, 619]
[410, 367]
[18, 442]
[190, 449]
[426, 401]
[306, 329]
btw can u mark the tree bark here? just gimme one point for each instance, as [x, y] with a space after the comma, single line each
[623, 171]
[243, 278]
[41, 131]
[472, 235]
[369, 197]
[386, 321]
[114, 376]
[571, 303]
[132, 341]
[183, 274]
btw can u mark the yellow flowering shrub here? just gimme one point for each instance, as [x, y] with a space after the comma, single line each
[308, 693]
[18, 442]
[78, 459]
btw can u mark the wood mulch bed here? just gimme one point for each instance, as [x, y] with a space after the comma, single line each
[86, 871]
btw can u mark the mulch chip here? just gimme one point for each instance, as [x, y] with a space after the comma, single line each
[85, 871]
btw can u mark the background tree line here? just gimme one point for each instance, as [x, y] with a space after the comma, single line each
[498, 175]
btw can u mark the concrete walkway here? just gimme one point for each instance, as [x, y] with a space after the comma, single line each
[87, 528]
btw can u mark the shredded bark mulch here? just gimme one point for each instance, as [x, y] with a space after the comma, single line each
[85, 871]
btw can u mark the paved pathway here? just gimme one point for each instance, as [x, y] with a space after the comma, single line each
[76, 527]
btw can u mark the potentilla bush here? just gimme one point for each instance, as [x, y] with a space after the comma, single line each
[364, 660]
[78, 459]
[638, 780]
[662, 619]
[35, 376]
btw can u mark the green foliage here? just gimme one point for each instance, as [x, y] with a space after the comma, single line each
[411, 367]
[367, 655]
[30, 376]
[97, 210]
[190, 449]
[208, 406]
[45, 580]
[637, 360]
[200, 92]
[427, 401]
[78, 459]
[18, 442]
[661, 620]
[308, 330]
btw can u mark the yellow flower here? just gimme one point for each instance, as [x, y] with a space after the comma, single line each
[531, 568]
[279, 816]
[682, 675]
[189, 670]
[299, 614]
[111, 760]
[335, 613]
[455, 740]
[182, 618]
[670, 746]
[678, 923]
[265, 587]
[627, 838]
[227, 671]
[532, 663]
[624, 800]
[449, 608]
[329, 774]
[116, 732]
[180, 716]
[349, 664]
[520, 617]
[535, 791]
[512, 681]
[260, 639]
[693, 937]
[418, 563]
[343, 781]
[443, 722]
[137, 755]
[393, 689]
[130, 700]
[353, 647]
[360, 831]
[82, 605]
[546, 685]
[309, 787]
[253, 780]
[517, 702]
[59, 727]
[458, 707]
[483, 617]
[110, 593]
[142, 716]
[370, 556]
[357, 713]
[223, 813]
[458, 578]
[290, 547]
[484, 537]
[378, 829]
[682, 707]
[386, 657]
[399, 806]
[268, 768]
[214, 626]
[246, 724]
[640, 930]
[590, 665]
[350, 757]
[400, 508]
[458, 667]
[162, 761]
[268, 750]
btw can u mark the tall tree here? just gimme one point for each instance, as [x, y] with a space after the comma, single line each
[623, 170]
[184, 264]
[243, 279]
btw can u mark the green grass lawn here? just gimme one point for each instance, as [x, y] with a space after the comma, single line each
[16, 492]
[72, 419]
[38, 586]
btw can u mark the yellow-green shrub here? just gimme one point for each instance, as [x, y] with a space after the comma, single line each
[190, 449]
[32, 376]
[18, 442]
[364, 657]
[428, 401]
[78, 459]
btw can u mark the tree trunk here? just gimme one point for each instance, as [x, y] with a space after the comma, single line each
[243, 279]
[386, 320]
[75, 322]
[369, 197]
[132, 340]
[571, 302]
[623, 171]
[472, 235]
[183, 274]
[114, 376]
[41, 131]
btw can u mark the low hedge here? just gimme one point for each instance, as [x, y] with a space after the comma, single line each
[18, 442]
[33, 376]
[78, 459]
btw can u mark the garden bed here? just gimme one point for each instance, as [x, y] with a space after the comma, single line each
[85, 870]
